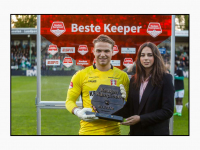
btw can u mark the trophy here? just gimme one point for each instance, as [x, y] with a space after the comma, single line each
[107, 100]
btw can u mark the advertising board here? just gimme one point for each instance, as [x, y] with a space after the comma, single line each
[78, 31]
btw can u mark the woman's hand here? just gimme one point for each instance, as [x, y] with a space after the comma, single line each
[94, 108]
[131, 120]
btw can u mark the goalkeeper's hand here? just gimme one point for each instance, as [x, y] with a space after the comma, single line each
[123, 91]
[82, 115]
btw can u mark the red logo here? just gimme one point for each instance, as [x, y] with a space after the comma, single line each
[154, 29]
[127, 62]
[83, 62]
[82, 49]
[67, 62]
[115, 50]
[113, 82]
[71, 85]
[57, 28]
[52, 62]
[52, 49]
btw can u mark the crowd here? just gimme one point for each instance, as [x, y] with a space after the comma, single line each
[22, 58]
[182, 57]
[45, 55]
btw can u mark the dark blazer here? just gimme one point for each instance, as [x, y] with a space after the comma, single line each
[155, 109]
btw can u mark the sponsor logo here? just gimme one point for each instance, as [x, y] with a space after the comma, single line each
[83, 62]
[113, 77]
[154, 29]
[127, 62]
[162, 50]
[82, 49]
[67, 62]
[93, 81]
[115, 50]
[107, 28]
[67, 50]
[14, 67]
[71, 85]
[57, 28]
[128, 50]
[115, 62]
[31, 72]
[94, 77]
[53, 62]
[113, 82]
[16, 42]
[52, 49]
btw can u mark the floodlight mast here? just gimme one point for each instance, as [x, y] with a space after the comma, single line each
[172, 65]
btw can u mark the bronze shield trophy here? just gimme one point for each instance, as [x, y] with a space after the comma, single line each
[108, 100]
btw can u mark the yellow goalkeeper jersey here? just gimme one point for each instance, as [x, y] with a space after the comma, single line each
[85, 82]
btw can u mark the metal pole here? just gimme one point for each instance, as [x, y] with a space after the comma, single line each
[38, 76]
[172, 65]
[38, 120]
[30, 50]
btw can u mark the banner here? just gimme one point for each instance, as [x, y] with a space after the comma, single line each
[73, 34]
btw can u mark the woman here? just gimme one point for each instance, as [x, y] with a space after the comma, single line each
[150, 101]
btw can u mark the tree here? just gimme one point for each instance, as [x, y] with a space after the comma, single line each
[183, 21]
[25, 21]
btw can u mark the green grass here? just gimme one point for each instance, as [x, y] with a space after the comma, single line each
[57, 121]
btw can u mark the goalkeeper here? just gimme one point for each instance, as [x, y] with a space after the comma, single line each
[87, 81]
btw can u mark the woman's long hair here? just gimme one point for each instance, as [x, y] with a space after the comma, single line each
[158, 68]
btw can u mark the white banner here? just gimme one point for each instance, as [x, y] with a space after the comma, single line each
[128, 50]
[53, 62]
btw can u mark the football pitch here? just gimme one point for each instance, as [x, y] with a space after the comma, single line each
[59, 121]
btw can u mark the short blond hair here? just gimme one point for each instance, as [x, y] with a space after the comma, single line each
[104, 38]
